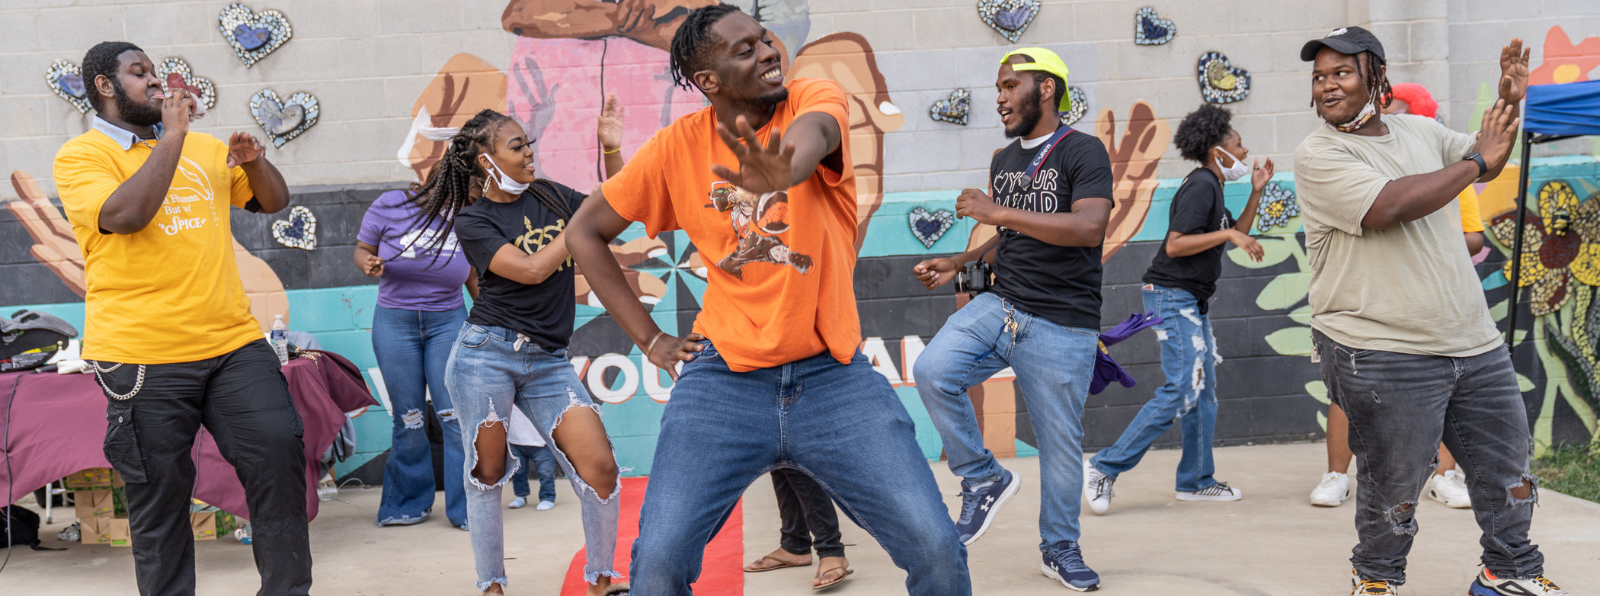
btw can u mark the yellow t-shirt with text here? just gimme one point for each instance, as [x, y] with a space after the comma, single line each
[170, 292]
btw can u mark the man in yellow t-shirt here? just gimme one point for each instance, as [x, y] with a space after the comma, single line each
[169, 330]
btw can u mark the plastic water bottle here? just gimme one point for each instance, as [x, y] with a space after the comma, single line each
[280, 339]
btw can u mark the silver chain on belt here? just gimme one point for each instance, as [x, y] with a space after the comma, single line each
[137, 384]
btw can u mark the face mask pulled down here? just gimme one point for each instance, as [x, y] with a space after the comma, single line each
[1233, 172]
[512, 187]
[1367, 112]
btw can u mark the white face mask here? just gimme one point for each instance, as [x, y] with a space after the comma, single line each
[512, 187]
[1233, 172]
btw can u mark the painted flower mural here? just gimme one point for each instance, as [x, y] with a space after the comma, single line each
[1564, 61]
[1559, 244]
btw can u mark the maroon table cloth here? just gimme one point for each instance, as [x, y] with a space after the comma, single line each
[57, 426]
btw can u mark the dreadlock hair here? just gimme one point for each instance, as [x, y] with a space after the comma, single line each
[693, 38]
[1201, 130]
[103, 60]
[449, 186]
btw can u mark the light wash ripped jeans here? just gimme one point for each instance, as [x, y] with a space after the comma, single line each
[491, 370]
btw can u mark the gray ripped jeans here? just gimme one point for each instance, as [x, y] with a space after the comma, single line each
[1400, 406]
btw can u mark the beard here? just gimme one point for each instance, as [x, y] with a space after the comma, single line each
[133, 112]
[1028, 115]
[774, 98]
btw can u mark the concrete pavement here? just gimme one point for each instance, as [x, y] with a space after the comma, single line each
[1270, 543]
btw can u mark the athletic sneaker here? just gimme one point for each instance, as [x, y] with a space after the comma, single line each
[1450, 489]
[980, 503]
[1216, 492]
[1373, 587]
[1489, 585]
[1097, 488]
[1064, 563]
[1332, 491]
[518, 503]
[546, 505]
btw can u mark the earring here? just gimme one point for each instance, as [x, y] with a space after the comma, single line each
[485, 186]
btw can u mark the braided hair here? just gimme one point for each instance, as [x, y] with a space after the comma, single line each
[693, 38]
[448, 188]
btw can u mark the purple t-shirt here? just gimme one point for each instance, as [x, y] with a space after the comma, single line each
[412, 278]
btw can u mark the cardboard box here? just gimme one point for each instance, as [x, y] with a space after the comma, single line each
[204, 524]
[90, 479]
[94, 530]
[118, 534]
[93, 503]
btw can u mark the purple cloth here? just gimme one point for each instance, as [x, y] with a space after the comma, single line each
[58, 426]
[412, 278]
[1106, 370]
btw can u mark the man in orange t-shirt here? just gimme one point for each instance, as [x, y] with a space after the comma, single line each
[771, 377]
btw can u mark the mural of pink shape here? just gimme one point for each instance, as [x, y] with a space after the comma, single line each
[557, 85]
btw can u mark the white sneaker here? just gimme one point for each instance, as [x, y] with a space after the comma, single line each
[1216, 492]
[1097, 488]
[1332, 491]
[546, 505]
[1450, 488]
[518, 503]
[1489, 585]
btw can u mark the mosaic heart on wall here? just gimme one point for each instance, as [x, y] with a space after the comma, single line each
[930, 227]
[1079, 107]
[1152, 30]
[66, 80]
[299, 231]
[1009, 17]
[283, 120]
[953, 110]
[1220, 82]
[253, 35]
[175, 73]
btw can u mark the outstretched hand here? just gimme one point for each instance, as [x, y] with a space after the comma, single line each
[1514, 71]
[1499, 134]
[669, 350]
[243, 148]
[762, 169]
[610, 126]
[1260, 174]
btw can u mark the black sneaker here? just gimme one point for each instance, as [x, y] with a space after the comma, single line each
[1064, 563]
[980, 503]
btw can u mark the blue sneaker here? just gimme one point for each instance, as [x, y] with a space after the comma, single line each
[980, 503]
[1064, 563]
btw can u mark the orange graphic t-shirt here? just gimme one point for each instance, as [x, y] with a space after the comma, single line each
[782, 264]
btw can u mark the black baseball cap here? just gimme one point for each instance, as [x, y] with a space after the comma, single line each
[1345, 40]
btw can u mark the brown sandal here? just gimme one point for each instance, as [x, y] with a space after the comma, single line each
[782, 564]
[847, 571]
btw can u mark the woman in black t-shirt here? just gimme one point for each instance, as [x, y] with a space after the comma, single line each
[512, 351]
[1178, 287]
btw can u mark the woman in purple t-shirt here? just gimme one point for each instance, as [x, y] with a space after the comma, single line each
[420, 311]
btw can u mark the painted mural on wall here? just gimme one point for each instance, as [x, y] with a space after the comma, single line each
[568, 56]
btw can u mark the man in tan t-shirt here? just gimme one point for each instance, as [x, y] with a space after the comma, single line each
[1405, 340]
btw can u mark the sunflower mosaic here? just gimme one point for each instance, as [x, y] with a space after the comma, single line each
[1559, 244]
[1278, 204]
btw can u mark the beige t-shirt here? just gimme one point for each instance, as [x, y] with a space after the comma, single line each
[1408, 289]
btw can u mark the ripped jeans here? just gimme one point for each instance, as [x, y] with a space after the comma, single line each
[1400, 406]
[490, 372]
[412, 348]
[1188, 360]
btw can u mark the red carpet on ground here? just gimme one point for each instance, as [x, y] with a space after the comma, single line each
[722, 573]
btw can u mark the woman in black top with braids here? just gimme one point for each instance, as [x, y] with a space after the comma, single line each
[512, 352]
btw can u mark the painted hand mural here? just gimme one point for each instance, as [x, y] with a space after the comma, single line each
[56, 248]
[1134, 157]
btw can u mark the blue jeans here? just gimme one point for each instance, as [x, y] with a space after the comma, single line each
[542, 463]
[413, 347]
[1188, 360]
[1054, 365]
[491, 371]
[840, 424]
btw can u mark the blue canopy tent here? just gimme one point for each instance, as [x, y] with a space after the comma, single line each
[1552, 113]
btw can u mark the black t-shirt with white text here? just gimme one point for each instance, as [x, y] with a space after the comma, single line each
[1059, 283]
[1197, 208]
[543, 311]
